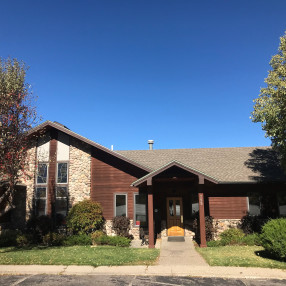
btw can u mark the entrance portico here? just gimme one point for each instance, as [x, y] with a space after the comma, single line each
[175, 194]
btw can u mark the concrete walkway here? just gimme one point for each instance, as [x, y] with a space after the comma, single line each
[180, 253]
[176, 259]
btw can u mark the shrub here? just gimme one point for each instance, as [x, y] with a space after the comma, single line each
[121, 226]
[231, 236]
[24, 239]
[273, 237]
[96, 234]
[40, 225]
[251, 239]
[85, 217]
[214, 243]
[252, 224]
[112, 240]
[8, 237]
[78, 239]
[53, 239]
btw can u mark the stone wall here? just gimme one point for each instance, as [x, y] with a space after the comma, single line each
[221, 225]
[79, 171]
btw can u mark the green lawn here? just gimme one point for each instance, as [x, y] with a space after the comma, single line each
[78, 255]
[247, 256]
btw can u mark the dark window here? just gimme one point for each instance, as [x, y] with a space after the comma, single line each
[282, 203]
[140, 217]
[254, 204]
[120, 205]
[41, 200]
[61, 201]
[194, 205]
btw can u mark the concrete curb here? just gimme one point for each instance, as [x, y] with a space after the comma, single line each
[157, 270]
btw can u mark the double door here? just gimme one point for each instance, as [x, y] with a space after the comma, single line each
[175, 216]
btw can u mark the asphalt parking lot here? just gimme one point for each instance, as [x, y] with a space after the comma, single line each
[108, 280]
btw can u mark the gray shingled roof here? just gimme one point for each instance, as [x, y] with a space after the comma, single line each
[226, 165]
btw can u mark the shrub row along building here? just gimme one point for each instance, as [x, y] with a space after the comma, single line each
[161, 191]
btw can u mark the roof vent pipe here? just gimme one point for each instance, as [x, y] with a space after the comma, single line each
[150, 142]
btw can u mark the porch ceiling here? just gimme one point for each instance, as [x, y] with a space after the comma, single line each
[148, 178]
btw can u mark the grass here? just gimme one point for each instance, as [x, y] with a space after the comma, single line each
[245, 256]
[78, 255]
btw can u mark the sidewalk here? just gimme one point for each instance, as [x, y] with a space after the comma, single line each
[176, 259]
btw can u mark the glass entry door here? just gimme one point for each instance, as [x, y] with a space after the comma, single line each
[175, 216]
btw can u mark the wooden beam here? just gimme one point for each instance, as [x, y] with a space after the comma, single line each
[202, 220]
[150, 217]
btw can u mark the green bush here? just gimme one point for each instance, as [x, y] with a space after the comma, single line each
[273, 237]
[112, 240]
[78, 239]
[251, 239]
[96, 234]
[231, 236]
[8, 237]
[214, 243]
[24, 239]
[53, 239]
[85, 217]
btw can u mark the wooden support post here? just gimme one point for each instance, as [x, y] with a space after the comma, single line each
[52, 173]
[150, 217]
[202, 220]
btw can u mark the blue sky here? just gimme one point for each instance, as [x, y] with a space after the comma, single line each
[183, 73]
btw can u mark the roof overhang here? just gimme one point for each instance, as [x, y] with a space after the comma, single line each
[148, 178]
[62, 128]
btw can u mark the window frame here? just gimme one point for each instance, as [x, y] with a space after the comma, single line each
[134, 208]
[248, 204]
[126, 203]
[39, 198]
[42, 184]
[66, 198]
[57, 172]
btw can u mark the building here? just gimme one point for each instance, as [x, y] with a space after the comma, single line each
[159, 190]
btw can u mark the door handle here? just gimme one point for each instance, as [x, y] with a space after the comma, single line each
[181, 219]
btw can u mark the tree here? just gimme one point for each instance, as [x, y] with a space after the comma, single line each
[270, 106]
[17, 117]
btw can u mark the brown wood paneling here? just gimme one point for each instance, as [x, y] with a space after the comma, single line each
[228, 207]
[110, 175]
[52, 171]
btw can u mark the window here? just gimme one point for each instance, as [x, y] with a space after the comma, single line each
[41, 189]
[254, 204]
[42, 174]
[61, 201]
[140, 217]
[281, 197]
[41, 200]
[62, 174]
[120, 205]
[194, 204]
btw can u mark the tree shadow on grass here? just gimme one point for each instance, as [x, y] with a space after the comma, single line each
[23, 248]
[267, 255]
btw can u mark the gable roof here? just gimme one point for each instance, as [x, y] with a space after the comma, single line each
[168, 166]
[62, 128]
[225, 165]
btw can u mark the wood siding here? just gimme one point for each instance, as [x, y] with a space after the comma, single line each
[110, 176]
[228, 207]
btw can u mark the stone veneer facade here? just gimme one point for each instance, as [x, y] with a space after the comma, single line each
[79, 171]
[220, 225]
